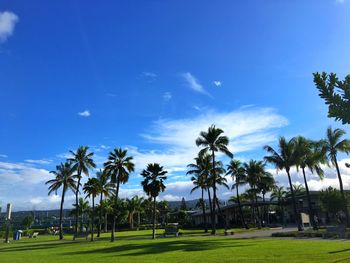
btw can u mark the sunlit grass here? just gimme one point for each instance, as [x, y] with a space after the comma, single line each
[192, 246]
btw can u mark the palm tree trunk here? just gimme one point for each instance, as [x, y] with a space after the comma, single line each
[106, 222]
[240, 209]
[204, 217]
[154, 219]
[138, 220]
[114, 216]
[213, 216]
[311, 213]
[77, 205]
[345, 206]
[93, 218]
[221, 214]
[210, 206]
[258, 217]
[61, 212]
[100, 218]
[296, 214]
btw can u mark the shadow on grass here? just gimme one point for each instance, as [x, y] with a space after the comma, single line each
[339, 251]
[154, 247]
[38, 246]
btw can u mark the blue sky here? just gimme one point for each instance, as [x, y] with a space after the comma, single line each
[149, 75]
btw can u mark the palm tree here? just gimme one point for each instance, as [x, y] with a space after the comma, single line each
[92, 188]
[133, 205]
[106, 189]
[64, 177]
[153, 184]
[333, 145]
[280, 194]
[310, 155]
[82, 209]
[285, 158]
[118, 167]
[255, 174]
[238, 174]
[200, 171]
[213, 141]
[266, 184]
[82, 162]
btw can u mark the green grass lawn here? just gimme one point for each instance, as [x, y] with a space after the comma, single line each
[192, 246]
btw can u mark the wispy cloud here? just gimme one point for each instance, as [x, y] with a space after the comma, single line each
[8, 22]
[85, 113]
[42, 161]
[217, 83]
[111, 94]
[194, 84]
[340, 1]
[3, 156]
[253, 128]
[167, 96]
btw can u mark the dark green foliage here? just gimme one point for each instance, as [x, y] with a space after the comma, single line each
[336, 94]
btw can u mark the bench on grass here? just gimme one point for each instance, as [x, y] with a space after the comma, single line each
[171, 230]
[229, 232]
[34, 235]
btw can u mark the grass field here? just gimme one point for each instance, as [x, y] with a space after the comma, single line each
[192, 246]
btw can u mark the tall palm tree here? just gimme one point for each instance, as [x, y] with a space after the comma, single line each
[153, 184]
[280, 194]
[82, 162]
[106, 189]
[118, 167]
[92, 188]
[238, 174]
[309, 155]
[334, 143]
[63, 178]
[285, 158]
[213, 141]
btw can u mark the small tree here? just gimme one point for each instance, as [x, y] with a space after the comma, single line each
[27, 222]
[153, 184]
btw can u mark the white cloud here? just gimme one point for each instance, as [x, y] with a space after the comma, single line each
[149, 76]
[8, 21]
[22, 173]
[43, 161]
[167, 96]
[217, 83]
[85, 113]
[193, 83]
[3, 156]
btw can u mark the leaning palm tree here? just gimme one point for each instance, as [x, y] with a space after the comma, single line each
[63, 178]
[118, 167]
[334, 143]
[82, 162]
[280, 194]
[213, 141]
[106, 189]
[285, 158]
[238, 174]
[92, 188]
[153, 184]
[310, 155]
